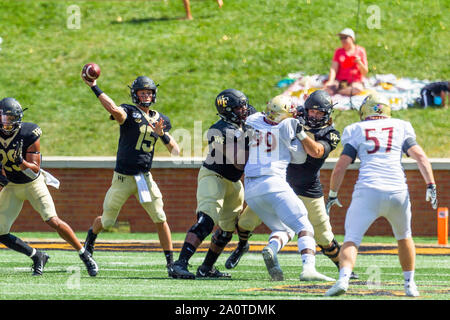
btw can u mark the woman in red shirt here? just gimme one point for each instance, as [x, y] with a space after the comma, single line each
[348, 68]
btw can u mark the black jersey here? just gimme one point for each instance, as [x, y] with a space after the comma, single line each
[437, 87]
[219, 134]
[137, 140]
[29, 133]
[304, 178]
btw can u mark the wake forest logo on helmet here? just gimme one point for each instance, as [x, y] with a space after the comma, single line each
[222, 101]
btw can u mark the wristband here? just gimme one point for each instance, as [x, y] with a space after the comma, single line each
[96, 90]
[332, 194]
[301, 135]
[165, 138]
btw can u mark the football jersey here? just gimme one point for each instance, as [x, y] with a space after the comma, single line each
[137, 140]
[379, 147]
[271, 145]
[305, 178]
[29, 133]
[219, 134]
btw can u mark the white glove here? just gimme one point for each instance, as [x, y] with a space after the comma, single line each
[332, 200]
[431, 195]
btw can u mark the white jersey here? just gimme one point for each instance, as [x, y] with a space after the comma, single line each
[379, 147]
[272, 147]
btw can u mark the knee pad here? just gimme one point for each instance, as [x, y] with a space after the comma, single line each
[334, 246]
[306, 242]
[221, 238]
[203, 227]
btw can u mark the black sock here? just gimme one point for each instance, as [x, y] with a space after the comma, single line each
[169, 256]
[16, 244]
[187, 252]
[242, 243]
[91, 236]
[211, 258]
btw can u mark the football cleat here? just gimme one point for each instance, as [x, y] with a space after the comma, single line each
[39, 261]
[180, 271]
[207, 272]
[90, 263]
[411, 289]
[271, 261]
[354, 276]
[311, 274]
[339, 288]
[90, 241]
[169, 267]
[236, 256]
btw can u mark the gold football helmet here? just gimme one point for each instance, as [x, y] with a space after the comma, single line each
[280, 108]
[374, 106]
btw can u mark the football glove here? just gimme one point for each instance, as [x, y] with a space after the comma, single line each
[431, 195]
[300, 132]
[332, 200]
[3, 180]
[17, 155]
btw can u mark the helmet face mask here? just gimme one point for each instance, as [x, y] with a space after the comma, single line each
[374, 107]
[232, 105]
[280, 108]
[143, 83]
[319, 100]
[11, 115]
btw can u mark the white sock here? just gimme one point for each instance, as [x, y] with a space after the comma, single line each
[409, 276]
[309, 260]
[345, 273]
[81, 250]
[275, 244]
[33, 253]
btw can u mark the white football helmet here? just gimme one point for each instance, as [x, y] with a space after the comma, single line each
[280, 108]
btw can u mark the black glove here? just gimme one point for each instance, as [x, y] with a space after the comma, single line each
[431, 195]
[300, 115]
[3, 180]
[17, 155]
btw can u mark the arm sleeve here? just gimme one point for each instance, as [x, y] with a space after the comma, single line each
[349, 151]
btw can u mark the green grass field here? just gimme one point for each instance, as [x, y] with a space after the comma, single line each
[248, 44]
[142, 275]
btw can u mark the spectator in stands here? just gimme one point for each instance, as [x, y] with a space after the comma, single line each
[348, 68]
[187, 7]
[433, 94]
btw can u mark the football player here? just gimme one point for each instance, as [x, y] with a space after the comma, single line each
[20, 157]
[220, 194]
[381, 190]
[321, 138]
[275, 142]
[140, 128]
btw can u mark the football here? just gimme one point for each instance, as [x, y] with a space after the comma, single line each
[91, 71]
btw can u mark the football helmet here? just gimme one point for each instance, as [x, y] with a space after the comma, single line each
[226, 103]
[143, 83]
[11, 115]
[280, 108]
[374, 106]
[318, 100]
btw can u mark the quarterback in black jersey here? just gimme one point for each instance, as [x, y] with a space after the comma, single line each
[319, 138]
[22, 179]
[220, 194]
[140, 128]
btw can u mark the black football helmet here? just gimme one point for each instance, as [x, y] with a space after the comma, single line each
[143, 83]
[227, 101]
[11, 115]
[318, 100]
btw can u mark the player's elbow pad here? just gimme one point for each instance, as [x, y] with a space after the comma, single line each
[298, 154]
